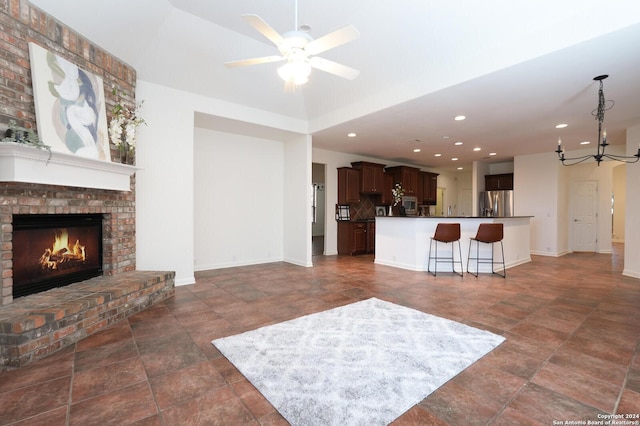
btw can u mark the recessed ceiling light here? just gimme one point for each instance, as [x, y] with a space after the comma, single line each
[561, 125]
[459, 117]
[477, 148]
[492, 153]
[458, 143]
[445, 137]
[351, 135]
[417, 150]
[437, 155]
[454, 159]
[460, 168]
[585, 143]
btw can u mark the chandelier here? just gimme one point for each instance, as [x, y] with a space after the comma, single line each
[602, 137]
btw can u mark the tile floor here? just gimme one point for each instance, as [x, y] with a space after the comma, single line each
[572, 350]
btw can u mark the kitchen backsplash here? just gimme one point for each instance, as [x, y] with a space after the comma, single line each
[365, 209]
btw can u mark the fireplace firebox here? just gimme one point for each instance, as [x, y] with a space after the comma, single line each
[54, 250]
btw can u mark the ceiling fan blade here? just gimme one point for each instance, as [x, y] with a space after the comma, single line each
[265, 29]
[333, 39]
[334, 68]
[254, 61]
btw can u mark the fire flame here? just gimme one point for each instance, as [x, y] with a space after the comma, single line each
[62, 252]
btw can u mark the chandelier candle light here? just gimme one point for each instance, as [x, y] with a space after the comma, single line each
[602, 137]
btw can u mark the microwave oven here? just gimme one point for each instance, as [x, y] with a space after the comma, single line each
[410, 204]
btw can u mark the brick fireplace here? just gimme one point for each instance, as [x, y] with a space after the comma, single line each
[37, 182]
[117, 209]
[36, 187]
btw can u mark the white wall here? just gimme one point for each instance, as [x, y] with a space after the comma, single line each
[165, 203]
[632, 215]
[563, 208]
[297, 201]
[620, 202]
[465, 194]
[477, 185]
[238, 200]
[164, 183]
[535, 183]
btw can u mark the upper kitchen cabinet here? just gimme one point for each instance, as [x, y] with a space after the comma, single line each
[427, 188]
[371, 177]
[387, 195]
[499, 182]
[407, 177]
[348, 185]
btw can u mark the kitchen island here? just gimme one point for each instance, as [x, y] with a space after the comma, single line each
[403, 241]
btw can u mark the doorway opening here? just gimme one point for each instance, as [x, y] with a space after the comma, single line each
[440, 200]
[318, 204]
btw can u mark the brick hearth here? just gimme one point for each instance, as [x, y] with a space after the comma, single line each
[37, 325]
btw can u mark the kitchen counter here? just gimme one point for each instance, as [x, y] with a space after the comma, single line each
[456, 217]
[403, 241]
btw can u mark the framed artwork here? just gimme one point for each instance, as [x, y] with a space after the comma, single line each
[70, 106]
[381, 210]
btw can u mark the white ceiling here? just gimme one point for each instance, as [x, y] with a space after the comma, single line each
[515, 69]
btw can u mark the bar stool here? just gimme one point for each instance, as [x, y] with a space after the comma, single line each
[488, 233]
[445, 233]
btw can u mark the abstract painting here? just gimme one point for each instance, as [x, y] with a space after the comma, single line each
[70, 106]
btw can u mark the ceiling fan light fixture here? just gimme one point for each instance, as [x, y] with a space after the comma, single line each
[296, 70]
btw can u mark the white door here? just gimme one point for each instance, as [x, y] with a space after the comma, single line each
[585, 214]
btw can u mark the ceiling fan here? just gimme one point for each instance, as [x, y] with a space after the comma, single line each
[298, 49]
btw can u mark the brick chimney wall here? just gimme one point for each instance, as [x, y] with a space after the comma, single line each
[21, 23]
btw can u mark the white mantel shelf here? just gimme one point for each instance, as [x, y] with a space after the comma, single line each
[21, 163]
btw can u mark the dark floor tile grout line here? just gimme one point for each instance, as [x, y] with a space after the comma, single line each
[73, 373]
[626, 379]
[548, 360]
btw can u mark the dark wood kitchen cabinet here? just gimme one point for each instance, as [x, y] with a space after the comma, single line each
[348, 185]
[371, 177]
[407, 177]
[371, 237]
[352, 237]
[499, 182]
[427, 188]
[387, 195]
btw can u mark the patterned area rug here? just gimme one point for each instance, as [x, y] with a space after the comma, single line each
[361, 364]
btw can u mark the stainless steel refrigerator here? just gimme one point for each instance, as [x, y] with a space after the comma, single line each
[496, 203]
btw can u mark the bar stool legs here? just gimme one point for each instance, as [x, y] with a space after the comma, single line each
[445, 233]
[488, 233]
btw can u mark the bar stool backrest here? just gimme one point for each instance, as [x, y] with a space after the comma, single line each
[447, 232]
[490, 232]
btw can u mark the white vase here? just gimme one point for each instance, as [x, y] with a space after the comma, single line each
[390, 210]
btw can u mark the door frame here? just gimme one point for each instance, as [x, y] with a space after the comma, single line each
[575, 222]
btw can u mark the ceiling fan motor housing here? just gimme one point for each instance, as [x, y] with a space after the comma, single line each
[293, 40]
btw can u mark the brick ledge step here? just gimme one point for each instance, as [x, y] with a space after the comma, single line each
[37, 325]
